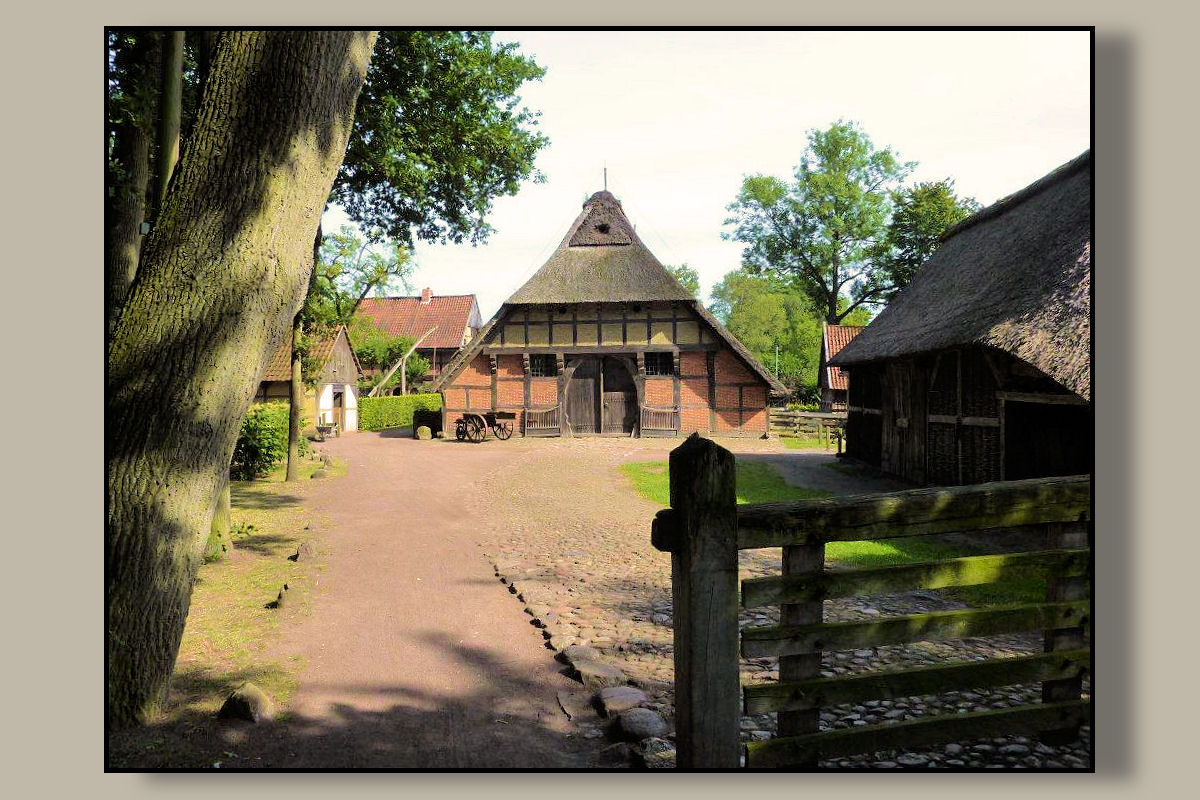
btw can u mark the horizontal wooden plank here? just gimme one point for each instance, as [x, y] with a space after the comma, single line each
[1042, 397]
[791, 640]
[966, 571]
[915, 512]
[915, 733]
[821, 692]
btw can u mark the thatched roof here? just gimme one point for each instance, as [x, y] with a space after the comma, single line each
[601, 259]
[1015, 276]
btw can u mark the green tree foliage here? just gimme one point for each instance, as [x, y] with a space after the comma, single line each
[765, 313]
[922, 213]
[823, 228]
[377, 349]
[262, 441]
[438, 133]
[687, 277]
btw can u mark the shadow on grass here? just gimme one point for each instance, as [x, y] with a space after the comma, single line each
[500, 725]
[259, 497]
[266, 544]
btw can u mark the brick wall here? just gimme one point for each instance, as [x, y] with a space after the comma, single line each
[660, 392]
[510, 394]
[543, 392]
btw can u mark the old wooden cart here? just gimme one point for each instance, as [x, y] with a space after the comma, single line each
[473, 427]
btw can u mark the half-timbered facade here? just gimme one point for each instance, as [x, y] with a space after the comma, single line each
[334, 399]
[980, 370]
[603, 341]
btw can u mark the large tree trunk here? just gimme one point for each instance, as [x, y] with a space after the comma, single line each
[126, 206]
[221, 277]
[295, 404]
[170, 111]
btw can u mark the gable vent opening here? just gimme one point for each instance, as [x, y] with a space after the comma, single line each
[603, 227]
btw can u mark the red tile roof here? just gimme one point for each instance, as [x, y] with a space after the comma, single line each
[836, 337]
[406, 316]
[279, 368]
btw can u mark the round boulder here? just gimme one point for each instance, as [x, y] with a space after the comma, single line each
[642, 723]
[249, 703]
[423, 433]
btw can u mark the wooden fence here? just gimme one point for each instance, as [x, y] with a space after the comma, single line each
[543, 422]
[704, 529]
[827, 428]
[659, 421]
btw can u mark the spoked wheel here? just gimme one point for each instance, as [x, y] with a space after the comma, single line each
[475, 430]
[503, 430]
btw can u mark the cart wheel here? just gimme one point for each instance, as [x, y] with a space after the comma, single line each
[503, 430]
[460, 430]
[475, 431]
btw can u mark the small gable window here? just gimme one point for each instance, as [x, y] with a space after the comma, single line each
[660, 364]
[543, 365]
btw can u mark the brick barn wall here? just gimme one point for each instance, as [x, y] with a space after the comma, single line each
[660, 392]
[543, 392]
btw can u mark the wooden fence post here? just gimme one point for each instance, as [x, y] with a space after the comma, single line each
[798, 560]
[1064, 535]
[704, 592]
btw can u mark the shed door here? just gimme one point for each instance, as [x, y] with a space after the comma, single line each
[583, 396]
[620, 397]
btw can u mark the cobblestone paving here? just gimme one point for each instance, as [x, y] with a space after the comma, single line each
[571, 540]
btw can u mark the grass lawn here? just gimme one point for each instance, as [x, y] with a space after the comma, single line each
[798, 443]
[761, 483]
[229, 630]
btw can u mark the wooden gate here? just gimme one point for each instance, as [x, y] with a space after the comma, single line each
[619, 403]
[704, 530]
[601, 396]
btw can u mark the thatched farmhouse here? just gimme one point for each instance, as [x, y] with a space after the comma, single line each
[980, 370]
[832, 380]
[335, 398]
[603, 340]
[454, 320]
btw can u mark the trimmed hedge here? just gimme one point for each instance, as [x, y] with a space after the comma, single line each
[380, 413]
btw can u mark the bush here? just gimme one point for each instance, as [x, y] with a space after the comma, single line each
[380, 413]
[804, 406]
[262, 442]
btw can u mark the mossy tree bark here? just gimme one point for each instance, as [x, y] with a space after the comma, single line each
[221, 277]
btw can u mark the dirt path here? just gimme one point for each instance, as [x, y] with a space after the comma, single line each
[414, 655]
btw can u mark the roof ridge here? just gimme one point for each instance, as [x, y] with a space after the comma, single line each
[1021, 195]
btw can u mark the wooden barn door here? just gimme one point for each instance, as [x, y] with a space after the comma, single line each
[619, 404]
[583, 396]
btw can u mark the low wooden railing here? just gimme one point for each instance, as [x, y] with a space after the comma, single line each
[704, 529]
[660, 419]
[826, 427]
[542, 421]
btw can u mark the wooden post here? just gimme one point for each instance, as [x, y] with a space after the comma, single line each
[704, 592]
[1059, 536]
[801, 559]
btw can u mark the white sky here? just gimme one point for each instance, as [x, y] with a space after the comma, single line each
[681, 117]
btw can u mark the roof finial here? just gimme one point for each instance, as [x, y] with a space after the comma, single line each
[606, 176]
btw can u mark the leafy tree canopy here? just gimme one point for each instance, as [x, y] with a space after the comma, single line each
[688, 278]
[438, 133]
[775, 321]
[843, 230]
[922, 214]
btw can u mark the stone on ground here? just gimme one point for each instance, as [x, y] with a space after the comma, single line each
[248, 702]
[658, 753]
[597, 675]
[303, 553]
[580, 652]
[642, 723]
[615, 699]
[423, 433]
[319, 473]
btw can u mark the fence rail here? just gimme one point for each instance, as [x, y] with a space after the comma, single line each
[660, 419]
[823, 426]
[542, 421]
[704, 529]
